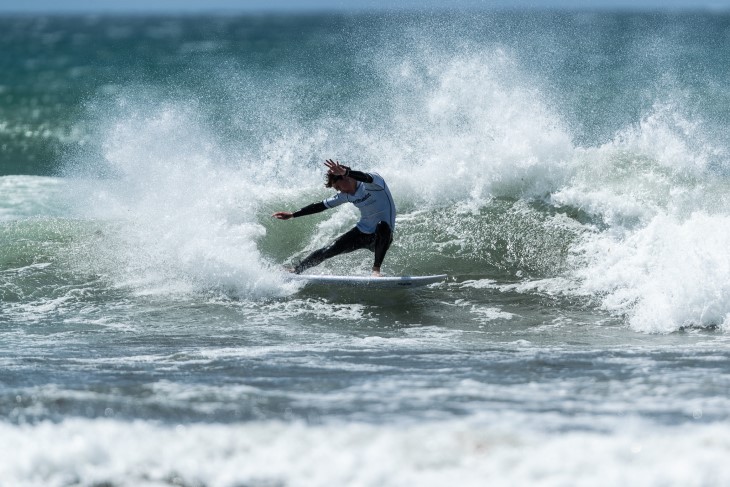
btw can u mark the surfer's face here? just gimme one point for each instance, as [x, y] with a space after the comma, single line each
[345, 185]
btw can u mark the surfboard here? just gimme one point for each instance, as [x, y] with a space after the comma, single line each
[368, 281]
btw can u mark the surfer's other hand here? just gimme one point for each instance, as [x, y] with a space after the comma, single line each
[335, 167]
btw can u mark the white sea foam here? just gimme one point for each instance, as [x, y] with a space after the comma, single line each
[668, 274]
[488, 314]
[470, 451]
[180, 218]
[662, 261]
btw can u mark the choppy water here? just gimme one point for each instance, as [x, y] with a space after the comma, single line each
[569, 171]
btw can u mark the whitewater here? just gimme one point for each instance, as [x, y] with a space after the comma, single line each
[568, 171]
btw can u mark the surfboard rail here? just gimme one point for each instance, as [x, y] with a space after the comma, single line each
[368, 281]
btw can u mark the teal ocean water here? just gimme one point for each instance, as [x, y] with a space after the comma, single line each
[569, 171]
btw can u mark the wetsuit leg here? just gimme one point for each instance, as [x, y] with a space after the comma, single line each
[352, 240]
[383, 239]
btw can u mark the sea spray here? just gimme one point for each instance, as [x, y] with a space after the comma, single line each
[172, 212]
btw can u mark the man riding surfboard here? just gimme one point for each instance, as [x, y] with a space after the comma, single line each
[374, 231]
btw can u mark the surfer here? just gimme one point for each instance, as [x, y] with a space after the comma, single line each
[369, 193]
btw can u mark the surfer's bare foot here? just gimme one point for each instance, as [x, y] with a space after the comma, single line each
[376, 273]
[290, 269]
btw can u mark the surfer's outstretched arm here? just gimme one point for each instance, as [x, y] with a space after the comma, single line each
[307, 210]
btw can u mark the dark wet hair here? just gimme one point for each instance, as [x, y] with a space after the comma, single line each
[332, 179]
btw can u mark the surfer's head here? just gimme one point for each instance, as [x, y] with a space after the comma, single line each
[343, 184]
[332, 179]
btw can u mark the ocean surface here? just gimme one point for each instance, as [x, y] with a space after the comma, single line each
[569, 171]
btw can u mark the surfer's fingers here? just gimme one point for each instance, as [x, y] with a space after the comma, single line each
[334, 167]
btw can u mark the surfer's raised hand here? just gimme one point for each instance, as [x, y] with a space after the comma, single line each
[283, 215]
[335, 168]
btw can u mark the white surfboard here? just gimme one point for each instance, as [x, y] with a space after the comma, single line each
[368, 281]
